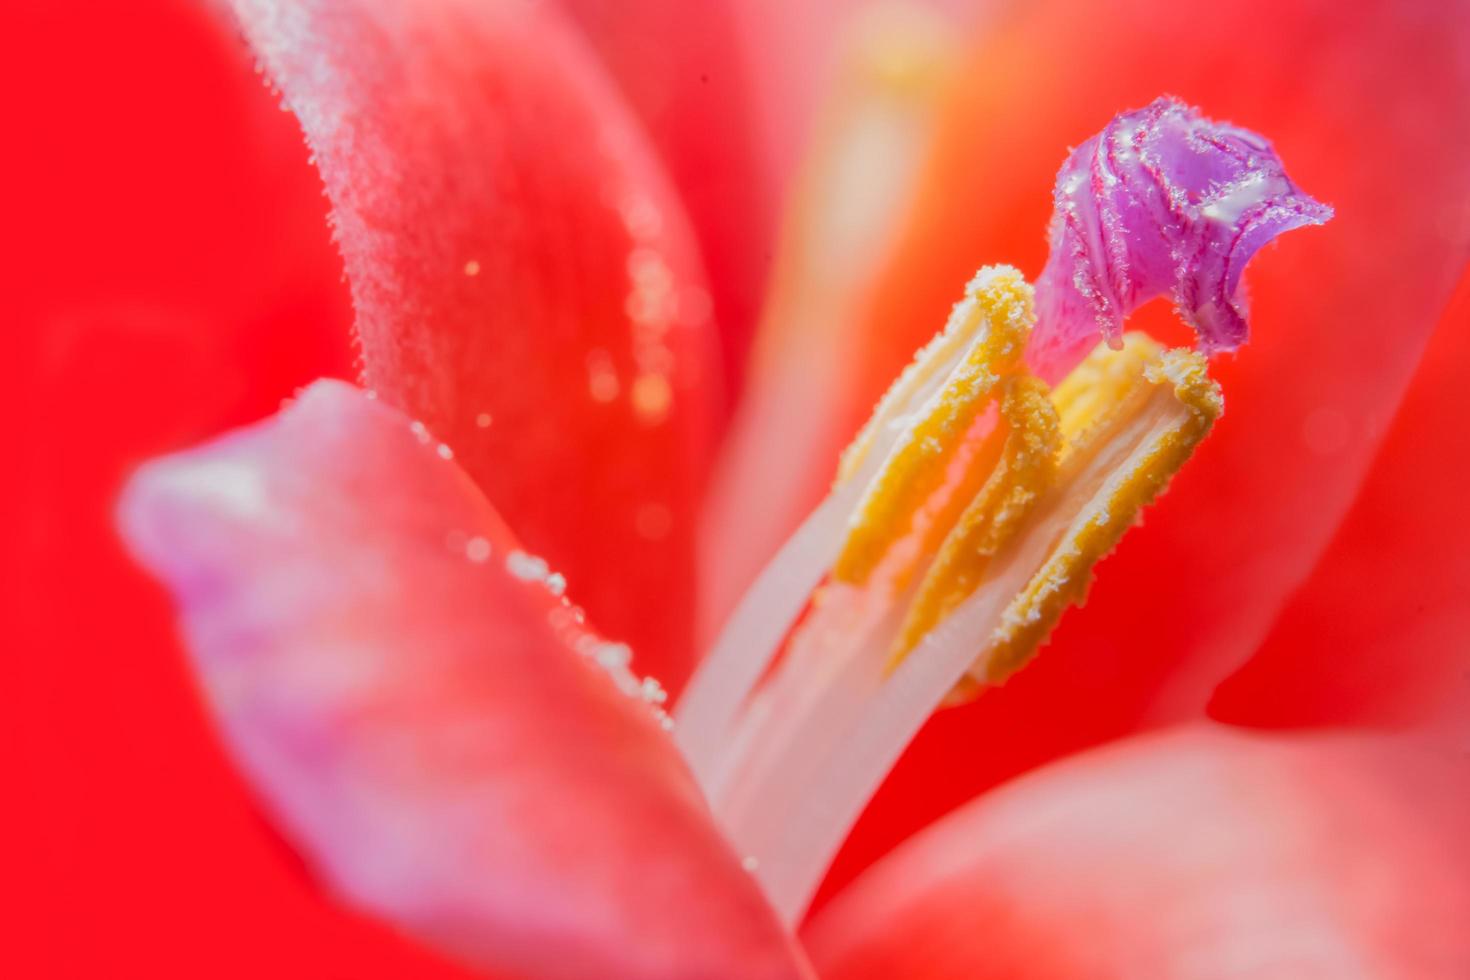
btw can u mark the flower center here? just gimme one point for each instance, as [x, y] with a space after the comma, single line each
[968, 514]
[966, 517]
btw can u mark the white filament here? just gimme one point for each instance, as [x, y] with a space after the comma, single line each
[801, 751]
[753, 636]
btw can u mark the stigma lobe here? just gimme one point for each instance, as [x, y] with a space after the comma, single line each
[1161, 202]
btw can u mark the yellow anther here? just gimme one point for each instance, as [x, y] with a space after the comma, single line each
[1105, 386]
[1026, 469]
[984, 340]
[1117, 463]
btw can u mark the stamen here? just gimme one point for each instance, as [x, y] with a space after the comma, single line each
[1107, 394]
[752, 637]
[994, 515]
[1180, 404]
[968, 514]
[995, 496]
[994, 321]
[847, 209]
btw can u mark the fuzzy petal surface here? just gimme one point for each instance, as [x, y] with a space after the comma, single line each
[525, 280]
[425, 715]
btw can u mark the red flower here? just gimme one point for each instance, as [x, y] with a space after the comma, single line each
[428, 719]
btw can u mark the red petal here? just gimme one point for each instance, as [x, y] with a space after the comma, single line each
[1197, 854]
[1377, 635]
[427, 721]
[728, 91]
[686, 72]
[1371, 114]
[168, 273]
[794, 50]
[524, 279]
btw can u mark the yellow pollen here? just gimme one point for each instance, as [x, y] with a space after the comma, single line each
[986, 335]
[1105, 386]
[1026, 469]
[1035, 499]
[1117, 464]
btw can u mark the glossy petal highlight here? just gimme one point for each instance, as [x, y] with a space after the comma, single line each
[1199, 854]
[425, 714]
[525, 281]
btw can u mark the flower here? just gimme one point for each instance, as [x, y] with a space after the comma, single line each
[388, 282]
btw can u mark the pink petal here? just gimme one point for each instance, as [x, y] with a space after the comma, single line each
[525, 281]
[1196, 854]
[424, 716]
[1378, 633]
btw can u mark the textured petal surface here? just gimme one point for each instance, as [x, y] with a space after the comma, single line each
[1198, 854]
[524, 278]
[1378, 633]
[167, 273]
[425, 714]
[1371, 113]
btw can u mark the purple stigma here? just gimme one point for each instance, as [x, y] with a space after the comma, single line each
[1162, 201]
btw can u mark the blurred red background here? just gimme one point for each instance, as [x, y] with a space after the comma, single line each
[167, 274]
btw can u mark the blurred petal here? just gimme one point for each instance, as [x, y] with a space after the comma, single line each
[168, 273]
[856, 184]
[426, 717]
[1371, 112]
[729, 91]
[794, 49]
[1378, 633]
[1192, 855]
[686, 73]
[524, 278]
